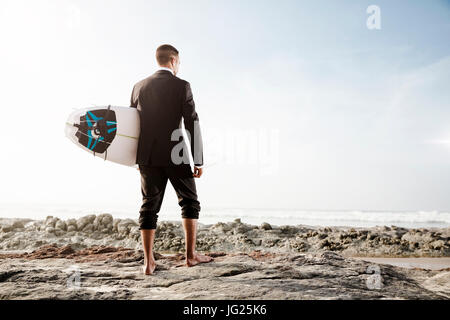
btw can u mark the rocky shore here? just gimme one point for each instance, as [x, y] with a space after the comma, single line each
[54, 272]
[99, 257]
[236, 236]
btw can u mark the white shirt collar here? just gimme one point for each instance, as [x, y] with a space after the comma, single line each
[164, 68]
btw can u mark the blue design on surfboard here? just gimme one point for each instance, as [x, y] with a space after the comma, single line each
[97, 129]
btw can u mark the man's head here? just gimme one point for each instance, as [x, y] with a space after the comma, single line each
[167, 56]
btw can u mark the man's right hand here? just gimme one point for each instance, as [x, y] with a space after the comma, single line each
[197, 172]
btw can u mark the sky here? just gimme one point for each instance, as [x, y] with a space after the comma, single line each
[301, 104]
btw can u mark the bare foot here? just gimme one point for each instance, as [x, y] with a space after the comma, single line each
[198, 258]
[149, 268]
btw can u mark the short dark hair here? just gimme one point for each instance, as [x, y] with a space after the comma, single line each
[164, 53]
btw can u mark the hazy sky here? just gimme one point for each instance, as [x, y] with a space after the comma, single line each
[327, 113]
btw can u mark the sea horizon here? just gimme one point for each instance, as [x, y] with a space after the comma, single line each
[255, 216]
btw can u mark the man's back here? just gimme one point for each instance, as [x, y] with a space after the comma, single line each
[163, 99]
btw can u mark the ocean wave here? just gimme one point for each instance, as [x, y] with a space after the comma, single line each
[356, 218]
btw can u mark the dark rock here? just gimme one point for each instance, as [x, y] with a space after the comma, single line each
[265, 226]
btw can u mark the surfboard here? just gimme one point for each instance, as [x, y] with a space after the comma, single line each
[110, 133]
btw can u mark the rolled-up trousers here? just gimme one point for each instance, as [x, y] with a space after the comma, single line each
[153, 185]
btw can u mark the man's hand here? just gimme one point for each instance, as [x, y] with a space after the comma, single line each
[197, 172]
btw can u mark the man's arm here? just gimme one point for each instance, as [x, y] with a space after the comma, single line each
[133, 104]
[133, 101]
[192, 125]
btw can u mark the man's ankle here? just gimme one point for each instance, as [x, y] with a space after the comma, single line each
[190, 255]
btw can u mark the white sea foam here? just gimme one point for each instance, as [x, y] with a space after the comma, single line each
[208, 215]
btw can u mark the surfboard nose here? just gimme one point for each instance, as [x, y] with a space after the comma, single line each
[71, 125]
[96, 130]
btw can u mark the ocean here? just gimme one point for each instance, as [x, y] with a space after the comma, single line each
[209, 215]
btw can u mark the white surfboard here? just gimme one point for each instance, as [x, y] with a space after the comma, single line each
[110, 133]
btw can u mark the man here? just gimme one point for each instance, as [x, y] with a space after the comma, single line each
[163, 100]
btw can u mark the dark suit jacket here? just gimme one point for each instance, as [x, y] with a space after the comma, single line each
[163, 99]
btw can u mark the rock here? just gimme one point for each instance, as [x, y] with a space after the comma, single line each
[116, 223]
[50, 230]
[106, 230]
[76, 239]
[437, 245]
[17, 225]
[103, 229]
[61, 225]
[96, 234]
[107, 219]
[257, 242]
[7, 228]
[83, 221]
[125, 225]
[71, 222]
[270, 242]
[325, 243]
[261, 275]
[241, 228]
[88, 228]
[289, 230]
[221, 226]
[50, 221]
[59, 232]
[135, 233]
[48, 218]
[371, 236]
[103, 221]
[265, 226]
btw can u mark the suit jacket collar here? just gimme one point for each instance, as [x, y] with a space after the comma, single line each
[163, 73]
[164, 69]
